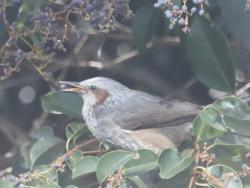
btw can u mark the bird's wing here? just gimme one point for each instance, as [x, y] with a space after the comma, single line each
[143, 111]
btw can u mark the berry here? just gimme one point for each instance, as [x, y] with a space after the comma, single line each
[168, 13]
[201, 12]
[193, 10]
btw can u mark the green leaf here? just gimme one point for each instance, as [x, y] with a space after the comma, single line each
[171, 163]
[236, 114]
[210, 56]
[222, 116]
[213, 118]
[44, 146]
[180, 180]
[71, 186]
[146, 161]
[123, 184]
[61, 102]
[233, 107]
[239, 126]
[145, 23]
[48, 177]
[208, 124]
[137, 182]
[73, 128]
[220, 172]
[74, 158]
[74, 131]
[232, 155]
[49, 185]
[42, 133]
[52, 174]
[85, 166]
[6, 183]
[112, 161]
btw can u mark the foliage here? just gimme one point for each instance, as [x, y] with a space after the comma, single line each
[217, 159]
[37, 32]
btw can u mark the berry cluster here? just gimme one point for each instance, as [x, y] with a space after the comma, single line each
[36, 35]
[180, 14]
[247, 5]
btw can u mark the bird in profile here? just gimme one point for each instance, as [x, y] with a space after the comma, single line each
[129, 119]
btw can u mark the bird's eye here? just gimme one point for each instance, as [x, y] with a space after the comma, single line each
[92, 88]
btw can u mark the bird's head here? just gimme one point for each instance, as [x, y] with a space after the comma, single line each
[97, 91]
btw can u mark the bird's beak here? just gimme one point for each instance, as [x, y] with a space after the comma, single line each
[73, 87]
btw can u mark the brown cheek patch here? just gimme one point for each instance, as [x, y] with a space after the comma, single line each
[101, 95]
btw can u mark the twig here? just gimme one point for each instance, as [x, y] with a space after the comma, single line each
[243, 89]
[78, 147]
[14, 134]
[123, 27]
[125, 57]
[191, 182]
[16, 137]
[80, 43]
[93, 152]
[197, 156]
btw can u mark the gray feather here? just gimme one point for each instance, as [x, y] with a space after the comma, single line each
[142, 110]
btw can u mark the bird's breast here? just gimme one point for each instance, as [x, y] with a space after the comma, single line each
[106, 131]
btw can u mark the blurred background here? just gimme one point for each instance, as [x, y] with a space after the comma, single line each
[31, 64]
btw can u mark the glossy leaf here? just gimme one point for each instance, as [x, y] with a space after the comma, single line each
[71, 186]
[220, 172]
[43, 133]
[171, 163]
[208, 124]
[233, 107]
[84, 166]
[49, 185]
[44, 146]
[73, 128]
[6, 183]
[235, 113]
[232, 155]
[210, 56]
[51, 174]
[146, 161]
[180, 180]
[137, 182]
[224, 115]
[62, 103]
[73, 131]
[112, 161]
[74, 158]
[144, 26]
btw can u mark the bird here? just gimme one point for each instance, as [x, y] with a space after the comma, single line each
[123, 118]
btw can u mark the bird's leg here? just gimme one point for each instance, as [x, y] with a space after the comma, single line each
[93, 152]
[99, 149]
[106, 146]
